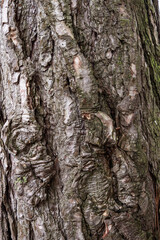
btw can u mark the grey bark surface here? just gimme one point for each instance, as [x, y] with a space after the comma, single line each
[79, 120]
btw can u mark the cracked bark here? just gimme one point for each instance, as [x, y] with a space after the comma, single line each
[79, 120]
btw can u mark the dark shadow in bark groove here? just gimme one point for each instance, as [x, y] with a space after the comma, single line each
[157, 200]
[7, 233]
[31, 232]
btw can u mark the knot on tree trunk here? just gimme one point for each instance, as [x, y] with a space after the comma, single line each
[33, 166]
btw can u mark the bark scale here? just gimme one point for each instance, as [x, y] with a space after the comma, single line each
[79, 120]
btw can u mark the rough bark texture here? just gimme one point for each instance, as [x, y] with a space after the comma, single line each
[79, 120]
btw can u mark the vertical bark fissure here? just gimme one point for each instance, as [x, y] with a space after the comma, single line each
[150, 48]
[152, 59]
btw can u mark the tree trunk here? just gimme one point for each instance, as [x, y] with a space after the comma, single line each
[79, 120]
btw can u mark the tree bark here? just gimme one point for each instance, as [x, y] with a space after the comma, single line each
[79, 120]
